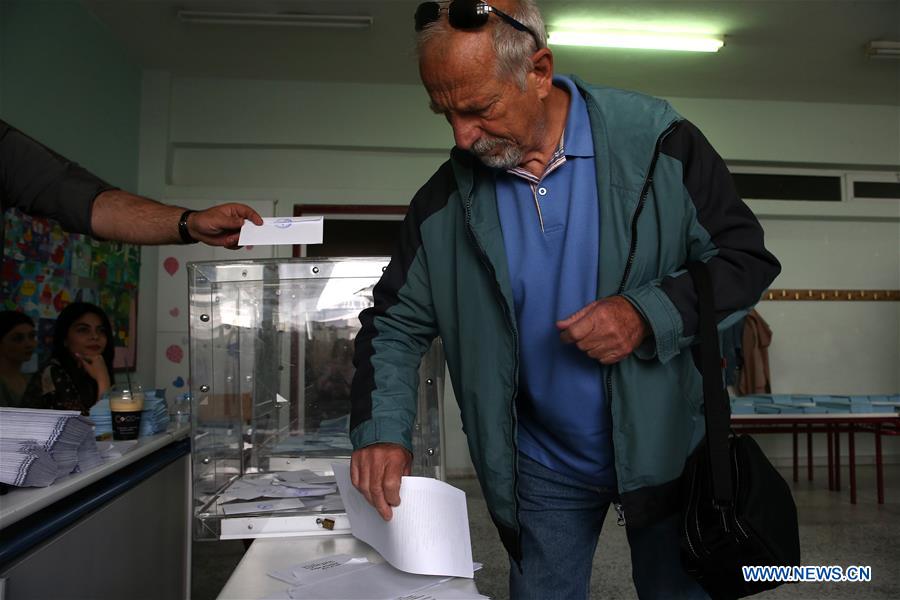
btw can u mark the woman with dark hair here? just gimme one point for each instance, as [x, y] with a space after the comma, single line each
[17, 344]
[80, 368]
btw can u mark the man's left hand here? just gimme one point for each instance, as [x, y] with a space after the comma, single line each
[221, 225]
[607, 330]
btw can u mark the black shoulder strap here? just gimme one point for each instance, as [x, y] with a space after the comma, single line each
[716, 404]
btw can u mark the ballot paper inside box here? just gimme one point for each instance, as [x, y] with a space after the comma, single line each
[270, 353]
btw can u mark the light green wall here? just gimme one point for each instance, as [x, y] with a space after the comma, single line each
[67, 83]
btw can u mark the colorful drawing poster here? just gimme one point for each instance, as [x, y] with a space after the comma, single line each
[81, 258]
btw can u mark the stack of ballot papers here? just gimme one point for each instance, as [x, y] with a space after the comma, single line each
[39, 446]
[26, 464]
[88, 454]
[101, 417]
[281, 491]
[155, 416]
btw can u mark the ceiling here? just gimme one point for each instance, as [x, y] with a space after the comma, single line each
[795, 50]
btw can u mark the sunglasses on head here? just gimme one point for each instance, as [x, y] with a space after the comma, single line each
[466, 14]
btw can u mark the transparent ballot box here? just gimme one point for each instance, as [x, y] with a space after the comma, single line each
[271, 350]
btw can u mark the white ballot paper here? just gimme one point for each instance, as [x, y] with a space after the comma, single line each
[282, 230]
[345, 577]
[440, 592]
[248, 488]
[303, 476]
[241, 508]
[320, 569]
[428, 533]
[378, 581]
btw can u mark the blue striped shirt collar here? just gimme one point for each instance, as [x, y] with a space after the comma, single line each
[580, 142]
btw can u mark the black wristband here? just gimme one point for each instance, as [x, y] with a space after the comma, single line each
[186, 237]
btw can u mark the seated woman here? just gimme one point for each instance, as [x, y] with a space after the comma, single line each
[80, 368]
[17, 344]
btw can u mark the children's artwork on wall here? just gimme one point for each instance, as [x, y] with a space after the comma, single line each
[45, 269]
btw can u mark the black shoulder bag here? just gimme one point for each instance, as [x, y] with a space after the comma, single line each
[737, 510]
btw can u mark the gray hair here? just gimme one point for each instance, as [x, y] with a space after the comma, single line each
[513, 48]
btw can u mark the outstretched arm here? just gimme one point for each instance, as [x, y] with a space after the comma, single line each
[42, 183]
[126, 217]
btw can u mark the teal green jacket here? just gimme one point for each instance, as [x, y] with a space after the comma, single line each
[665, 198]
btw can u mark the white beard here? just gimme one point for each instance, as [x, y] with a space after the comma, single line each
[509, 157]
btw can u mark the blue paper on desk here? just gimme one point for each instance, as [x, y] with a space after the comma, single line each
[742, 406]
[788, 409]
[839, 406]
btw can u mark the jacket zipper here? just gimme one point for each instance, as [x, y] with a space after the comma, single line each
[482, 255]
[632, 252]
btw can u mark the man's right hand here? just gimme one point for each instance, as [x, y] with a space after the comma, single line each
[221, 225]
[376, 471]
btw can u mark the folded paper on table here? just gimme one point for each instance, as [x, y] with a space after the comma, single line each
[345, 577]
[372, 581]
[320, 569]
[428, 533]
[442, 592]
[283, 230]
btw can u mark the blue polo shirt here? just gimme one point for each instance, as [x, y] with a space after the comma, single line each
[551, 230]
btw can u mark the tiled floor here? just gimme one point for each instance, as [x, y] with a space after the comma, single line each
[832, 532]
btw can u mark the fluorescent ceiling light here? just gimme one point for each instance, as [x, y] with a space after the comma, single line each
[883, 49]
[645, 40]
[276, 19]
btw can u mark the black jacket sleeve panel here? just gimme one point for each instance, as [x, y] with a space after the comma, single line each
[410, 318]
[42, 183]
[742, 268]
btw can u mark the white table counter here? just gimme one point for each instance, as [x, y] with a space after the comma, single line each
[251, 582]
[96, 534]
[21, 502]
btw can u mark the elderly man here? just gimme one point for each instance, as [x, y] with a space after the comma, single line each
[548, 254]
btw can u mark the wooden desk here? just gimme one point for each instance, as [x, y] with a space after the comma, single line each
[831, 424]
